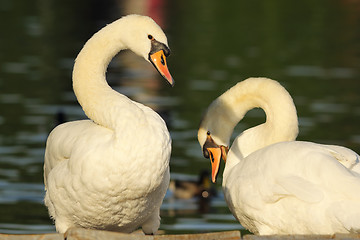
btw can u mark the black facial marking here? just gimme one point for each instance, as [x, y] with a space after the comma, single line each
[157, 46]
[209, 143]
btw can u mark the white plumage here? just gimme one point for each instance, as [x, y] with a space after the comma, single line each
[110, 172]
[272, 183]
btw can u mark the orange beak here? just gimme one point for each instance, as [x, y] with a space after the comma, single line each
[215, 157]
[158, 59]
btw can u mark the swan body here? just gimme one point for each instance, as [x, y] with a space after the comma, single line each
[272, 183]
[110, 172]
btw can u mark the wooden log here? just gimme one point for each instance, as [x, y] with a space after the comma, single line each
[86, 234]
[338, 236]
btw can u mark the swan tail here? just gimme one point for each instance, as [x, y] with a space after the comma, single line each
[345, 156]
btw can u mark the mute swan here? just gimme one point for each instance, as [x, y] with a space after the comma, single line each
[110, 172]
[272, 183]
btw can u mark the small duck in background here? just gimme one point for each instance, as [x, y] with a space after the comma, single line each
[186, 189]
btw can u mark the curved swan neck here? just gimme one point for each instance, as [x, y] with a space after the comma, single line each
[230, 108]
[89, 81]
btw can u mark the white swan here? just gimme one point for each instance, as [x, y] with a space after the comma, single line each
[110, 172]
[272, 183]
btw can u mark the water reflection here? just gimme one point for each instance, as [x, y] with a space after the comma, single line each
[311, 47]
[26, 228]
[15, 192]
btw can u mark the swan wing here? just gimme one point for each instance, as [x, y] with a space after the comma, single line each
[298, 187]
[61, 142]
[312, 170]
[302, 170]
[312, 192]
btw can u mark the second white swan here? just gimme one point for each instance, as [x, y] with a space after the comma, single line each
[272, 183]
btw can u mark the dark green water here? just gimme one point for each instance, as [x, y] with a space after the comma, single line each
[311, 47]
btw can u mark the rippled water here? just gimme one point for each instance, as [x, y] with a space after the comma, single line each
[311, 47]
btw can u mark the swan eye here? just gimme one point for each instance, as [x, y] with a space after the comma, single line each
[150, 37]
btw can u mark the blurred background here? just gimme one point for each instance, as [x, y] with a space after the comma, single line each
[311, 47]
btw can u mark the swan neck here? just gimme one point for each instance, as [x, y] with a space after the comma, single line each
[89, 75]
[230, 108]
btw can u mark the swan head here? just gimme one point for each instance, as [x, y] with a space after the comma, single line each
[145, 38]
[215, 153]
[214, 133]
